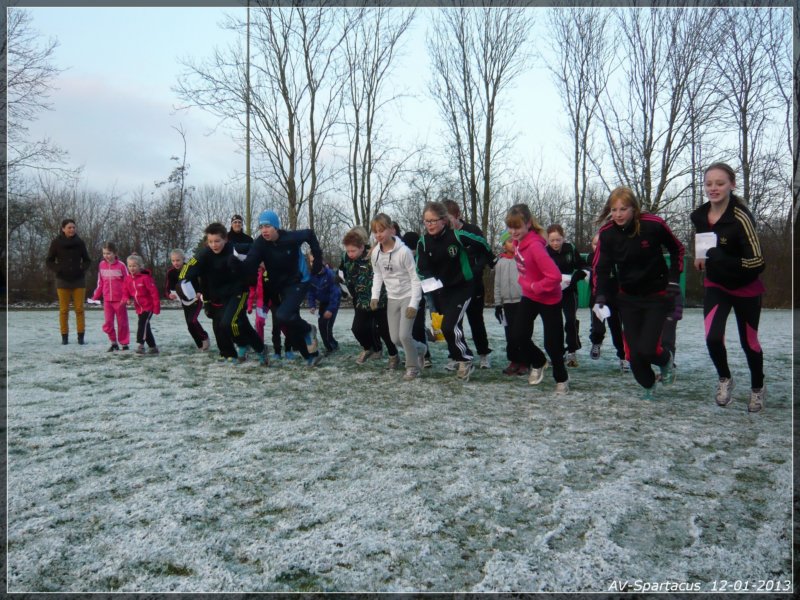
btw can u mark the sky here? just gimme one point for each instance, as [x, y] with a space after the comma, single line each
[114, 108]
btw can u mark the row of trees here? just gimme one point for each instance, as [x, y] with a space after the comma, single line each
[650, 96]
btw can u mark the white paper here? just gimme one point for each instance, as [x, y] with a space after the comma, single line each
[565, 281]
[188, 289]
[703, 242]
[430, 284]
[93, 301]
[601, 313]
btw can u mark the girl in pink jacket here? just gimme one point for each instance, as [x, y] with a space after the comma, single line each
[540, 281]
[141, 289]
[111, 276]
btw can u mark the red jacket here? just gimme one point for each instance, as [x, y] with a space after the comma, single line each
[144, 292]
[539, 277]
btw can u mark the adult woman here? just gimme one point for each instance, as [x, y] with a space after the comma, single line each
[452, 257]
[69, 260]
[631, 242]
[731, 281]
[571, 265]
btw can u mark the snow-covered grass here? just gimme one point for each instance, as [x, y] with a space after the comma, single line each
[177, 473]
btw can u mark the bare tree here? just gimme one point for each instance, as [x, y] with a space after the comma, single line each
[752, 99]
[646, 124]
[476, 54]
[370, 51]
[581, 44]
[293, 95]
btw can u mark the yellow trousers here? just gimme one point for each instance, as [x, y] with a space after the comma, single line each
[77, 296]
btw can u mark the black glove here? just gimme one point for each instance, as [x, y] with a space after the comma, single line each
[578, 275]
[498, 313]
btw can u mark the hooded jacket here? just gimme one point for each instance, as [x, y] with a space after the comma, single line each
[68, 258]
[397, 270]
[358, 279]
[736, 261]
[144, 292]
[506, 280]
[539, 277]
[111, 281]
[325, 289]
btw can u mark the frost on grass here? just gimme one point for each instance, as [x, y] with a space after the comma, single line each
[176, 473]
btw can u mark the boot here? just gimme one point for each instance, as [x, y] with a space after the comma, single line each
[65, 338]
[80, 339]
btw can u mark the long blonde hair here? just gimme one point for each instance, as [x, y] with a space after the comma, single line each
[628, 198]
[519, 215]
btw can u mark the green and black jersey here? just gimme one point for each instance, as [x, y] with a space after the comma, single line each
[452, 256]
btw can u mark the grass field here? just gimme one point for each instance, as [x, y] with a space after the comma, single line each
[177, 473]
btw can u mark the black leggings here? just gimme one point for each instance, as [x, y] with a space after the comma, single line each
[190, 314]
[716, 308]
[510, 310]
[143, 331]
[370, 327]
[569, 306]
[642, 322]
[325, 327]
[597, 330]
[523, 351]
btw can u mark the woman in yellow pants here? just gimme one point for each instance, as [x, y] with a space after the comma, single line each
[69, 260]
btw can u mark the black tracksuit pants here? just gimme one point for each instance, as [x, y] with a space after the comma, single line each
[190, 315]
[525, 352]
[370, 327]
[569, 307]
[597, 332]
[642, 322]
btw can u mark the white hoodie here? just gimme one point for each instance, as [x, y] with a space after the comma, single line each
[398, 271]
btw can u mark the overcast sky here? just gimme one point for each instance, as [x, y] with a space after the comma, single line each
[114, 107]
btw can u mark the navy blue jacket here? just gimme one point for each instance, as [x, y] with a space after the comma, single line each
[283, 259]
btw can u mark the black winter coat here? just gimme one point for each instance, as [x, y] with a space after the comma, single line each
[69, 260]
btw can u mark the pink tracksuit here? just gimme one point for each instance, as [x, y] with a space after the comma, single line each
[110, 286]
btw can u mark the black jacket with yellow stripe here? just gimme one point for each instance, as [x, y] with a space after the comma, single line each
[737, 259]
[218, 281]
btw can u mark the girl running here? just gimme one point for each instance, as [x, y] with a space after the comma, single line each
[597, 330]
[540, 281]
[631, 243]
[141, 289]
[507, 296]
[571, 265]
[446, 258]
[111, 288]
[393, 266]
[731, 281]
[191, 308]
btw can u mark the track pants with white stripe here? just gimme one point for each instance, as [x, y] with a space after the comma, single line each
[453, 303]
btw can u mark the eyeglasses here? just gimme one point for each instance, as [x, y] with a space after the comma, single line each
[431, 221]
[236, 221]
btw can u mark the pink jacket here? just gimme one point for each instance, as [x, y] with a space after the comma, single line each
[144, 292]
[539, 277]
[110, 281]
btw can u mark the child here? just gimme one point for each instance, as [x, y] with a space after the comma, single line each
[289, 277]
[411, 239]
[111, 275]
[141, 290]
[225, 295]
[571, 265]
[731, 281]
[369, 326]
[540, 282]
[262, 302]
[325, 290]
[507, 296]
[393, 266]
[446, 257]
[191, 308]
[631, 244]
[597, 329]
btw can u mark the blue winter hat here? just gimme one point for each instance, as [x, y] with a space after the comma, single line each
[269, 217]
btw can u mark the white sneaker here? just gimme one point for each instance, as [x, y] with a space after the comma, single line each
[594, 353]
[571, 360]
[485, 363]
[757, 399]
[411, 373]
[624, 366]
[451, 365]
[562, 387]
[536, 375]
[465, 369]
[724, 389]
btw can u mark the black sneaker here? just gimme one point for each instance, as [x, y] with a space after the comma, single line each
[113, 348]
[126, 347]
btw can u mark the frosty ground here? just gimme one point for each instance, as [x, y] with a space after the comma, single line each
[177, 473]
